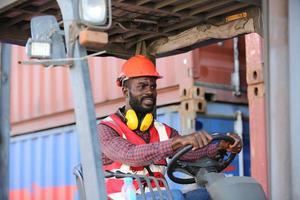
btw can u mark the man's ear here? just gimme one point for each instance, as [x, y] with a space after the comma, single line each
[125, 91]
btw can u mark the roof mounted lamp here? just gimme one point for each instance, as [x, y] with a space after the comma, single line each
[95, 14]
[96, 17]
[91, 17]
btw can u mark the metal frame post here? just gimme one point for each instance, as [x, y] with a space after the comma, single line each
[277, 89]
[257, 109]
[84, 108]
[294, 86]
[235, 76]
[5, 52]
[283, 45]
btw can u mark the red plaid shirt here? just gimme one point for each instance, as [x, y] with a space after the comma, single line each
[116, 148]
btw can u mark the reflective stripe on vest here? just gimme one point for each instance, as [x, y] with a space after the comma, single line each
[158, 132]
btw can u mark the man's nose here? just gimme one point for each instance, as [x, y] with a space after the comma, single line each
[150, 90]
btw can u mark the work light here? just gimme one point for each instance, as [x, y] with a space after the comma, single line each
[93, 12]
[38, 49]
[46, 40]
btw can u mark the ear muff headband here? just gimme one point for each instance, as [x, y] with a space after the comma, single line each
[132, 120]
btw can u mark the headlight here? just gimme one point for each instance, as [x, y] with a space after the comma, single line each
[93, 12]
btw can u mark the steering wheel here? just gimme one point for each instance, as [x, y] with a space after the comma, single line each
[191, 168]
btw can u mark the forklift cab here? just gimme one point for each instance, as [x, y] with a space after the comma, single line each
[162, 28]
[123, 28]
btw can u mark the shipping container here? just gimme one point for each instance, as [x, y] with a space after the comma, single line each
[41, 98]
[215, 63]
[41, 163]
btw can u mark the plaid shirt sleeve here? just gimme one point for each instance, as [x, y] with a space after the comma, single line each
[116, 148]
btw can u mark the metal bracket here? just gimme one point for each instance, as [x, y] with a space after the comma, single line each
[73, 35]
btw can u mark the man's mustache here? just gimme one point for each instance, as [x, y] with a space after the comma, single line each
[149, 97]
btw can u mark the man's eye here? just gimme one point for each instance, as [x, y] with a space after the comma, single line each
[141, 86]
[153, 86]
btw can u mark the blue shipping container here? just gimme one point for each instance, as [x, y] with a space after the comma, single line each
[41, 165]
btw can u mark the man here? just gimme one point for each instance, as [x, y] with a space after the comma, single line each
[132, 142]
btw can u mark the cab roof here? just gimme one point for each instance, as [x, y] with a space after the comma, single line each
[155, 24]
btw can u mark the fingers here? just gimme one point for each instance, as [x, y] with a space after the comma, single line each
[181, 141]
[236, 147]
[197, 140]
[208, 136]
[202, 139]
[224, 145]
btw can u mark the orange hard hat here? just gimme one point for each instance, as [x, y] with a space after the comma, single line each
[137, 66]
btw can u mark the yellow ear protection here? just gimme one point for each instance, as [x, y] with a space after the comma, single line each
[133, 122]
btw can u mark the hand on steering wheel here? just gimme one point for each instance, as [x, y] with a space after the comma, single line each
[236, 147]
[198, 140]
[188, 167]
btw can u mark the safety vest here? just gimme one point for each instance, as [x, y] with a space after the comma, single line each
[158, 132]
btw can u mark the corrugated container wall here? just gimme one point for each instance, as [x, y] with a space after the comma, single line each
[41, 97]
[41, 165]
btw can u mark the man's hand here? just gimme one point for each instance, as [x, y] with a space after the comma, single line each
[197, 140]
[236, 147]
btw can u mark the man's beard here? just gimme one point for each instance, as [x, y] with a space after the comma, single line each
[137, 106]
